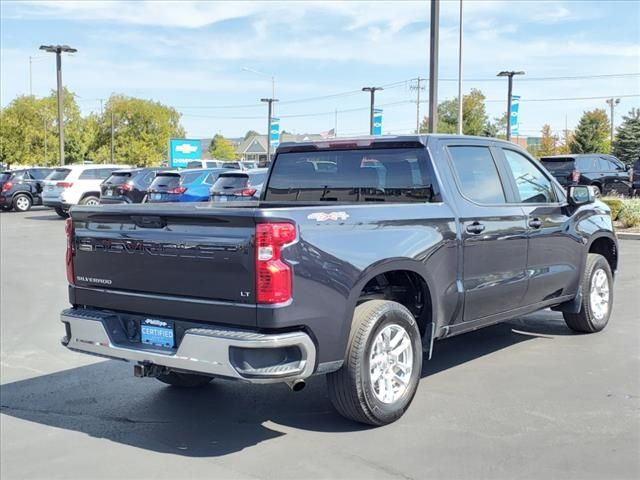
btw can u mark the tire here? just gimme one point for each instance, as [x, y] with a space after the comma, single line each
[61, 213]
[22, 203]
[185, 380]
[6, 208]
[352, 390]
[90, 200]
[594, 315]
[597, 190]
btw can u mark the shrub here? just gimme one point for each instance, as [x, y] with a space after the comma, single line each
[630, 214]
[615, 204]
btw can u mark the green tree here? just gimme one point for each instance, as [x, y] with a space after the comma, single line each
[142, 129]
[474, 116]
[626, 145]
[592, 133]
[548, 142]
[221, 148]
[250, 133]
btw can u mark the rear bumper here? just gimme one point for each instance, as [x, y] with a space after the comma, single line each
[237, 354]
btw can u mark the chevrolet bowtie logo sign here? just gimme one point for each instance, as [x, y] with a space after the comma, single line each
[185, 148]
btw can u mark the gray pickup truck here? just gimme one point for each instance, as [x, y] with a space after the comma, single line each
[359, 254]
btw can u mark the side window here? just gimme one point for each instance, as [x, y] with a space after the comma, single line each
[603, 165]
[588, 164]
[89, 174]
[477, 174]
[533, 186]
[103, 173]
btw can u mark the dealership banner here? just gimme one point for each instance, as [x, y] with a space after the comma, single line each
[515, 104]
[377, 121]
[182, 151]
[274, 134]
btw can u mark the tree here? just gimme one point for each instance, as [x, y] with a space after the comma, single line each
[548, 143]
[626, 145]
[474, 116]
[142, 129]
[250, 133]
[564, 146]
[592, 133]
[221, 148]
[497, 128]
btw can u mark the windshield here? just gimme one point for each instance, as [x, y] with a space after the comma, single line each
[58, 174]
[363, 175]
[118, 178]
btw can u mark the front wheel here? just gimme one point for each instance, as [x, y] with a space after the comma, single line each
[185, 380]
[382, 366]
[597, 297]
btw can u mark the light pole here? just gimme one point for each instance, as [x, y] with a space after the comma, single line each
[460, 99]
[58, 49]
[273, 79]
[434, 35]
[372, 91]
[269, 101]
[509, 74]
[612, 102]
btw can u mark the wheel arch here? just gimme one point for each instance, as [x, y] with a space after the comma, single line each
[605, 244]
[89, 194]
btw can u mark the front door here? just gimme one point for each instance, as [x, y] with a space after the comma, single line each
[494, 233]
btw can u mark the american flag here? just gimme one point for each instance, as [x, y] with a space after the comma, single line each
[329, 134]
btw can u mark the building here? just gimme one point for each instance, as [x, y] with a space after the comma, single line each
[254, 148]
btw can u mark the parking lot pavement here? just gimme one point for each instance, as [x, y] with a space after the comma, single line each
[524, 399]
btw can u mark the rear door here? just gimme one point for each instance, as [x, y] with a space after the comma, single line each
[494, 233]
[554, 253]
[615, 176]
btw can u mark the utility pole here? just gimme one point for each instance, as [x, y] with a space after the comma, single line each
[44, 121]
[418, 87]
[335, 124]
[269, 102]
[112, 137]
[509, 74]
[58, 49]
[460, 98]
[372, 91]
[434, 34]
[612, 102]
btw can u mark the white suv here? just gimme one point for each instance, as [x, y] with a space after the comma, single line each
[75, 185]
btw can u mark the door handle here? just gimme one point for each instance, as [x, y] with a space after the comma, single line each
[535, 223]
[475, 228]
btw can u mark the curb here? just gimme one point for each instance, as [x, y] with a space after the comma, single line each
[628, 236]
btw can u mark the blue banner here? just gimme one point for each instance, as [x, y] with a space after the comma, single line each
[377, 121]
[274, 134]
[515, 104]
[182, 151]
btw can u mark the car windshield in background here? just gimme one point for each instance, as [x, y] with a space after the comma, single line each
[165, 181]
[190, 177]
[118, 178]
[558, 164]
[364, 175]
[58, 174]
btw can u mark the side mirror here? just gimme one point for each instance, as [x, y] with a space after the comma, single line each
[627, 167]
[581, 195]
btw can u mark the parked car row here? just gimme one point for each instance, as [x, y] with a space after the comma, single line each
[20, 189]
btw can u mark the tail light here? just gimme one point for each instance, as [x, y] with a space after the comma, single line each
[68, 227]
[247, 192]
[273, 276]
[64, 184]
[575, 176]
[179, 190]
[6, 186]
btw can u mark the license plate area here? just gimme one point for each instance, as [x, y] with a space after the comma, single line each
[158, 333]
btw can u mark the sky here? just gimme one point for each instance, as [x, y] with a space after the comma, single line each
[213, 61]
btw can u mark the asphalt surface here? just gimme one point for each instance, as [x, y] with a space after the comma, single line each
[524, 399]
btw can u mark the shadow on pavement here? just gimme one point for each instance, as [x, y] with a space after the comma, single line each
[104, 400]
[45, 217]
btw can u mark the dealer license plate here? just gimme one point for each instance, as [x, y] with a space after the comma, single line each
[157, 332]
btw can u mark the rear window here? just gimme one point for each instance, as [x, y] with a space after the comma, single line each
[5, 176]
[95, 174]
[119, 178]
[363, 175]
[165, 180]
[39, 173]
[257, 178]
[558, 164]
[59, 174]
[231, 181]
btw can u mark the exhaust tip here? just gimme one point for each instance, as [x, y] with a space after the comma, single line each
[297, 385]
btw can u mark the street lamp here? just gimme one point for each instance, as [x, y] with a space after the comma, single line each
[372, 91]
[612, 102]
[58, 49]
[269, 101]
[510, 75]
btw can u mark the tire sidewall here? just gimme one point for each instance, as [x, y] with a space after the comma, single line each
[389, 412]
[89, 198]
[15, 203]
[599, 264]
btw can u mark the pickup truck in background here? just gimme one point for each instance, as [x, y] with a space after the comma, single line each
[359, 254]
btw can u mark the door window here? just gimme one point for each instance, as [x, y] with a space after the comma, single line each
[533, 186]
[477, 174]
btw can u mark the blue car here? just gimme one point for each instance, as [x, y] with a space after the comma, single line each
[183, 185]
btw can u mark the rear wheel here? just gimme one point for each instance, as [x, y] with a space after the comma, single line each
[90, 201]
[382, 366]
[61, 213]
[597, 190]
[6, 208]
[597, 297]
[185, 380]
[22, 203]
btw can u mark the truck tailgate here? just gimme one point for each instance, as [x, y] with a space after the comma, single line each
[167, 252]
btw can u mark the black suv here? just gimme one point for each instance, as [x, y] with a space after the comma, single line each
[634, 177]
[20, 189]
[605, 172]
[128, 186]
